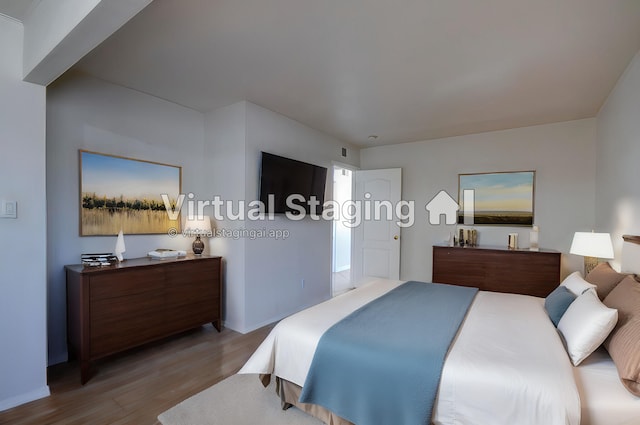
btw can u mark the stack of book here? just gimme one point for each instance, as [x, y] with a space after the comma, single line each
[161, 253]
[95, 260]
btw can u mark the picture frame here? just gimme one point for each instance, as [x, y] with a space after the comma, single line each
[119, 193]
[503, 198]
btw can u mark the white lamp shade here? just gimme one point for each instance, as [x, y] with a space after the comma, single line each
[197, 226]
[589, 244]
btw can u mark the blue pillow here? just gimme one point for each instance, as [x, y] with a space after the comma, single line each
[558, 302]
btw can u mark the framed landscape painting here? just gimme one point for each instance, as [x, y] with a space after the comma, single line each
[503, 198]
[123, 193]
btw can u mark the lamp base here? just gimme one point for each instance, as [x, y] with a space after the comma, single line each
[590, 263]
[198, 246]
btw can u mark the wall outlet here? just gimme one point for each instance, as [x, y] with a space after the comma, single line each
[8, 209]
[302, 283]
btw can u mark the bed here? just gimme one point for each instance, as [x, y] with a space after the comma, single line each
[507, 365]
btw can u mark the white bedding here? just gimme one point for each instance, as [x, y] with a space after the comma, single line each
[605, 401]
[506, 366]
[288, 350]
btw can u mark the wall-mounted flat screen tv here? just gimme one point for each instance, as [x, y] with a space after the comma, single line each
[283, 177]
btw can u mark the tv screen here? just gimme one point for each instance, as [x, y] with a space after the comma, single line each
[283, 177]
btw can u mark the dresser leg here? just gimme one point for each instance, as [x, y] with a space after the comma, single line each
[217, 324]
[85, 372]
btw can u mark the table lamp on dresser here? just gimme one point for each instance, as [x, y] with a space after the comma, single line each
[198, 227]
[592, 246]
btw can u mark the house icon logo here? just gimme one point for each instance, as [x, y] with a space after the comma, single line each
[442, 204]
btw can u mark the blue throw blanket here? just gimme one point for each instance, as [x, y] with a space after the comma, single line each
[382, 363]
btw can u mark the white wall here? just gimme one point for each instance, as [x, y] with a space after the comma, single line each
[618, 150]
[563, 156]
[86, 113]
[225, 134]
[276, 268]
[263, 276]
[23, 332]
[219, 153]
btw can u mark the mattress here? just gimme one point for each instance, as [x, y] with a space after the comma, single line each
[604, 399]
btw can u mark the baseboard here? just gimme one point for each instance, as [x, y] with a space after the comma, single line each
[24, 398]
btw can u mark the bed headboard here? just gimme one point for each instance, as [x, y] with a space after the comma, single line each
[630, 261]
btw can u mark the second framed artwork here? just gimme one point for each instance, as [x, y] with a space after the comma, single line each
[124, 193]
[500, 198]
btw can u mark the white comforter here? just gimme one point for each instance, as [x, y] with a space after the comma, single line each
[506, 366]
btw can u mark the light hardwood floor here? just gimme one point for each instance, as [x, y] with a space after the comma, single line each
[136, 386]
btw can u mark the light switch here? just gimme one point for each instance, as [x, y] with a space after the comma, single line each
[8, 209]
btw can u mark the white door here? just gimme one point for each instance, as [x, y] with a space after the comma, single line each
[376, 250]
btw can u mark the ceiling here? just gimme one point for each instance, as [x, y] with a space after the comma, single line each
[404, 70]
[16, 9]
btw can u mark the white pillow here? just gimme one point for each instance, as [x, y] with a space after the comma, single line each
[585, 325]
[576, 284]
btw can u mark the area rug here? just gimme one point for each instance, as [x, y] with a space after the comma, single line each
[238, 400]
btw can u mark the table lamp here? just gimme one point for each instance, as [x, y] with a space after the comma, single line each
[592, 246]
[198, 226]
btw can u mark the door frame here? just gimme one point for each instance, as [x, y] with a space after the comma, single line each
[351, 168]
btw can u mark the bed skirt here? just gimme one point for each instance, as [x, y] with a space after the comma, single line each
[289, 394]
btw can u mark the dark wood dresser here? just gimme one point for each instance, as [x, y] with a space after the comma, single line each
[498, 269]
[114, 308]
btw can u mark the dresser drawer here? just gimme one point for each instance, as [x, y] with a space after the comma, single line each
[126, 283]
[123, 322]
